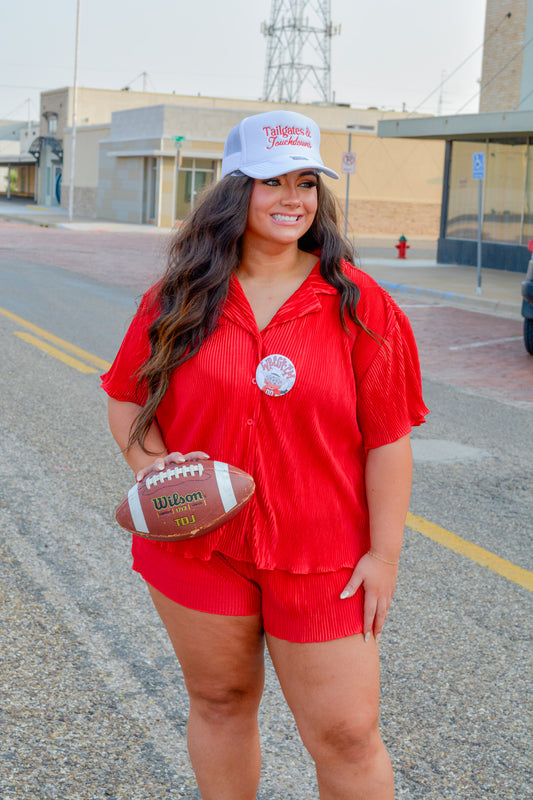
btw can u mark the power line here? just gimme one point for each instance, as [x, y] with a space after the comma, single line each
[483, 43]
[482, 88]
[14, 110]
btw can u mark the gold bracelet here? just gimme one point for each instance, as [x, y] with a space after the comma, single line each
[380, 558]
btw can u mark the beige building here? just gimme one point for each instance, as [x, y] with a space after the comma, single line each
[143, 158]
[157, 159]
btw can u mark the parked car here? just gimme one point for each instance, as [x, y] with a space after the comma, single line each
[527, 303]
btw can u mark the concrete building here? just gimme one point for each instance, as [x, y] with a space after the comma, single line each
[143, 157]
[503, 133]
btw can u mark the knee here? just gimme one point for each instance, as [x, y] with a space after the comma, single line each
[345, 739]
[218, 705]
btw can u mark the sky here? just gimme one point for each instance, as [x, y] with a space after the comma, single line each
[390, 55]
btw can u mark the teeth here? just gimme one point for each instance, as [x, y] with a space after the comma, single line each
[284, 218]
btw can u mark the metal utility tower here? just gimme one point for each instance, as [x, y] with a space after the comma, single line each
[298, 50]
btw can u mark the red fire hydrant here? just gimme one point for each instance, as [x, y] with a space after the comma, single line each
[402, 247]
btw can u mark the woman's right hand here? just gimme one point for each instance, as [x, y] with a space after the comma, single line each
[162, 462]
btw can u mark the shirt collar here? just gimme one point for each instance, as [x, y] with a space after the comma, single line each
[304, 301]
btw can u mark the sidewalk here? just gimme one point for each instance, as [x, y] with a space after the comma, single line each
[419, 276]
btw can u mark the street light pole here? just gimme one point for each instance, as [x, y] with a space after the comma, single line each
[74, 102]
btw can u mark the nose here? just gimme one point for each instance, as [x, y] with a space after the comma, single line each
[290, 195]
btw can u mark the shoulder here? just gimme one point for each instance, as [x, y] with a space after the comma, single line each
[359, 277]
[375, 308]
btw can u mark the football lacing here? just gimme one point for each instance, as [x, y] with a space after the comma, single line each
[175, 472]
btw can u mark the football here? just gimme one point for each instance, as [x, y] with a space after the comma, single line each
[185, 500]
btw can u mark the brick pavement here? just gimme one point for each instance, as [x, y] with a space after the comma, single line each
[134, 259]
[490, 358]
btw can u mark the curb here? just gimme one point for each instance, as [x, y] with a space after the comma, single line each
[97, 226]
[481, 304]
[28, 221]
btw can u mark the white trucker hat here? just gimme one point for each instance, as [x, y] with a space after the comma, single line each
[271, 144]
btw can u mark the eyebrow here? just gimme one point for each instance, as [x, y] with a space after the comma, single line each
[300, 174]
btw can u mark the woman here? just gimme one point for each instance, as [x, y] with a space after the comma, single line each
[263, 347]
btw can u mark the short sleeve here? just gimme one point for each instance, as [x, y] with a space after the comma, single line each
[121, 381]
[387, 371]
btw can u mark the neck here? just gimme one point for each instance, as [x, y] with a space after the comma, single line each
[272, 261]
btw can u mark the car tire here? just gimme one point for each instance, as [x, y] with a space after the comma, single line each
[528, 335]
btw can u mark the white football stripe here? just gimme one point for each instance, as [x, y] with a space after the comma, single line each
[136, 510]
[227, 495]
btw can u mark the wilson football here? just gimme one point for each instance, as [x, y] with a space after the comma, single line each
[185, 500]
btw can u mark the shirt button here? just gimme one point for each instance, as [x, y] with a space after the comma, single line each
[250, 422]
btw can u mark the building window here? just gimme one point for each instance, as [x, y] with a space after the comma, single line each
[463, 192]
[193, 175]
[52, 124]
[508, 188]
[504, 191]
[527, 232]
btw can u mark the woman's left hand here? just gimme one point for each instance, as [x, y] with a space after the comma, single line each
[378, 580]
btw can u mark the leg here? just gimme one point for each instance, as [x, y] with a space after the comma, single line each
[222, 662]
[332, 689]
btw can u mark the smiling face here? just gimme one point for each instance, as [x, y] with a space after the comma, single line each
[282, 209]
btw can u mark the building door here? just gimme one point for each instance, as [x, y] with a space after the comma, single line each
[193, 175]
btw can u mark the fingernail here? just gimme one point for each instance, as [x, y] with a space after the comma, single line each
[161, 465]
[378, 637]
[345, 593]
[138, 477]
[367, 636]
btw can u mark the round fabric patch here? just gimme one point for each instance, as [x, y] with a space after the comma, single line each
[275, 375]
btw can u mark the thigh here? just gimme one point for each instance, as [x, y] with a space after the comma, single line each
[329, 686]
[219, 654]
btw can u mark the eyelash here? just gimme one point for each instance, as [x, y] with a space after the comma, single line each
[308, 184]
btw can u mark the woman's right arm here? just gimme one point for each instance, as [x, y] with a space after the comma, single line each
[121, 416]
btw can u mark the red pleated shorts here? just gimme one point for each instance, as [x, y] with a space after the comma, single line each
[294, 607]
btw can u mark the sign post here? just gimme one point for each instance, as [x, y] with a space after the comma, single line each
[178, 141]
[478, 174]
[347, 168]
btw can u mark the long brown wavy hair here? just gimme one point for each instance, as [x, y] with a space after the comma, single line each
[203, 255]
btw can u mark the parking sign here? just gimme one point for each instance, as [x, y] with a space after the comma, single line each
[348, 164]
[478, 166]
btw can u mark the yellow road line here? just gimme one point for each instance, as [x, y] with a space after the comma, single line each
[49, 337]
[53, 351]
[484, 557]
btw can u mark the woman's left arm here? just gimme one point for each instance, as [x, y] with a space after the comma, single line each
[388, 476]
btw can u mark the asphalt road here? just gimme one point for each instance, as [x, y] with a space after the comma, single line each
[93, 704]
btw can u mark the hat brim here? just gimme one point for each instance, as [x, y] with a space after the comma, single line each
[283, 165]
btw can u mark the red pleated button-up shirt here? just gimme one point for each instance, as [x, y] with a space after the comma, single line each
[305, 448]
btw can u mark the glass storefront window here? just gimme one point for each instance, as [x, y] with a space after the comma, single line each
[504, 191]
[527, 233]
[508, 198]
[193, 175]
[462, 218]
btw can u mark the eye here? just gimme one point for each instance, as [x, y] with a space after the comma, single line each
[271, 182]
[309, 183]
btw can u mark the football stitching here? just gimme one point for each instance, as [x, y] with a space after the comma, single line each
[177, 472]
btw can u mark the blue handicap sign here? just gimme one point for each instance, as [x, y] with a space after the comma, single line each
[478, 166]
